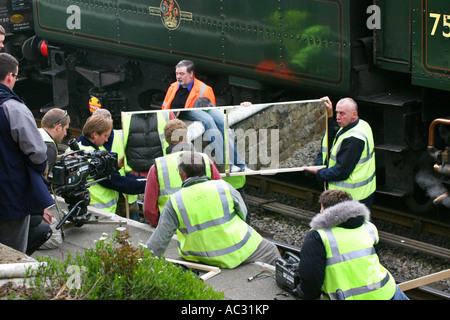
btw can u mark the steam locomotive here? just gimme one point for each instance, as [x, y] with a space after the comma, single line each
[391, 56]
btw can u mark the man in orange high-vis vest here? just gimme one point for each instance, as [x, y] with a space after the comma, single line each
[183, 94]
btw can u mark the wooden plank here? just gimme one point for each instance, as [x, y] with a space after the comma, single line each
[211, 270]
[422, 281]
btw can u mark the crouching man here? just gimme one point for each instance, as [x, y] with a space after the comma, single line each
[209, 219]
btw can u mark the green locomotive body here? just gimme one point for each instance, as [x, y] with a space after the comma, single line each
[267, 41]
[391, 56]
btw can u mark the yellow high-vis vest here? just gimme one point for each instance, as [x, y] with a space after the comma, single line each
[169, 179]
[118, 148]
[209, 229]
[101, 197]
[362, 181]
[353, 266]
[46, 136]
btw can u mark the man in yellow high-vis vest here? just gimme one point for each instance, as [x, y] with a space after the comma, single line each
[163, 178]
[104, 195]
[209, 219]
[339, 257]
[115, 144]
[351, 166]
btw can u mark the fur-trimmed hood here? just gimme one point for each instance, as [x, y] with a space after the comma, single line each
[339, 213]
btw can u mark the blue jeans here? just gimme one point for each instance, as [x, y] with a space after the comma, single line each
[214, 121]
[399, 295]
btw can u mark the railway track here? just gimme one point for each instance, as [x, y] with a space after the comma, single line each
[418, 293]
[268, 185]
[310, 195]
[305, 216]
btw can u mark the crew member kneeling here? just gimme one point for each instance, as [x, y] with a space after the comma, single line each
[339, 257]
[209, 218]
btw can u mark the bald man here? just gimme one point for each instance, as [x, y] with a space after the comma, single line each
[351, 166]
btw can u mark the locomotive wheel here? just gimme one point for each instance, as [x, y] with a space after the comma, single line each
[418, 201]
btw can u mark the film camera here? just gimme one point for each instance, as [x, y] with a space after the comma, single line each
[286, 274]
[71, 174]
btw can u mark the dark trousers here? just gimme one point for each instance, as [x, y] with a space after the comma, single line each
[14, 233]
[38, 233]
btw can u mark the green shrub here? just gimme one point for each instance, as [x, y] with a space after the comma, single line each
[115, 270]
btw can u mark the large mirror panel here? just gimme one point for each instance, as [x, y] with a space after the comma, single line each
[259, 139]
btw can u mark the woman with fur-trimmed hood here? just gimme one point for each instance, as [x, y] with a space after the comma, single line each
[322, 266]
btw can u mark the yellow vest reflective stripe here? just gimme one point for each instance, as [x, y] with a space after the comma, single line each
[101, 197]
[163, 118]
[209, 229]
[169, 179]
[46, 136]
[117, 147]
[126, 119]
[353, 266]
[362, 181]
[324, 149]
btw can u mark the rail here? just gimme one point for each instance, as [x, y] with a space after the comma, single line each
[426, 225]
[305, 216]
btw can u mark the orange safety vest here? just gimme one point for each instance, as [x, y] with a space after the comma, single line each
[199, 89]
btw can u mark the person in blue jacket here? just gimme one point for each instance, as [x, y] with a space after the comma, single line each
[23, 161]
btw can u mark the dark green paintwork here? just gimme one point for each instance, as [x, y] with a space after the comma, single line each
[392, 39]
[431, 53]
[300, 42]
[305, 43]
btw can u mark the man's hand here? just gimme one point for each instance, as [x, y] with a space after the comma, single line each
[329, 106]
[121, 161]
[45, 173]
[47, 216]
[312, 170]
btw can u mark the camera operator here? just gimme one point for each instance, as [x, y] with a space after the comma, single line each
[54, 125]
[115, 144]
[23, 159]
[104, 195]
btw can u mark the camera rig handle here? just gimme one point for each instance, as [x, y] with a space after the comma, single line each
[77, 208]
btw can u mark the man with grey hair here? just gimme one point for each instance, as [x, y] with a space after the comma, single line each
[209, 219]
[351, 165]
[23, 160]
